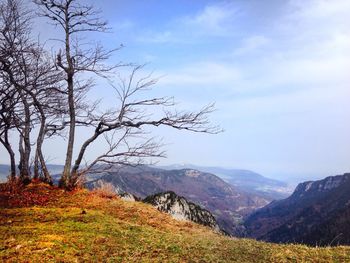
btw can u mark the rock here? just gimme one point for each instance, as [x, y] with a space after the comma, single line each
[128, 197]
[181, 209]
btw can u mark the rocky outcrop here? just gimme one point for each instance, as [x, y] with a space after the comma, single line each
[181, 209]
[128, 197]
[325, 185]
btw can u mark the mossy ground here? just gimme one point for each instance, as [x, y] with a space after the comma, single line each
[51, 225]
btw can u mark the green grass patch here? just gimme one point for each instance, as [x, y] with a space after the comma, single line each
[111, 230]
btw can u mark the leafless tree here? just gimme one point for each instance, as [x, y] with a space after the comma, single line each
[75, 18]
[29, 73]
[46, 95]
[13, 33]
[123, 127]
[9, 100]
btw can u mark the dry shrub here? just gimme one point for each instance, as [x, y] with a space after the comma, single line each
[105, 190]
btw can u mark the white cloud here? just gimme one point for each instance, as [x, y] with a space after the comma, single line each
[316, 19]
[203, 73]
[251, 44]
[319, 8]
[212, 20]
[281, 88]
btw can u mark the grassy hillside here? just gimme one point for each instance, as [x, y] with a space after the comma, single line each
[43, 224]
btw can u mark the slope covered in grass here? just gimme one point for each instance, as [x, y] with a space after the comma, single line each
[42, 224]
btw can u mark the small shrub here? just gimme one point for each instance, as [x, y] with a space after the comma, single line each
[105, 190]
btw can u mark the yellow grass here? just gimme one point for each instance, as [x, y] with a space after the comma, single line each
[113, 230]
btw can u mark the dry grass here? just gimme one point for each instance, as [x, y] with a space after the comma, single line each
[112, 230]
[105, 190]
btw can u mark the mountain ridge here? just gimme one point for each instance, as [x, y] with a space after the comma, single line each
[317, 213]
[244, 179]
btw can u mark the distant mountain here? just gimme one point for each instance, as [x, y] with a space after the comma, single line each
[4, 172]
[317, 213]
[245, 180]
[54, 169]
[228, 204]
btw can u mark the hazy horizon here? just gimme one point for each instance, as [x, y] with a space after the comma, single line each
[291, 179]
[276, 70]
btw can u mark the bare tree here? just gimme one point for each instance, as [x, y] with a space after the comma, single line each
[45, 93]
[124, 127]
[14, 33]
[8, 101]
[74, 18]
[30, 73]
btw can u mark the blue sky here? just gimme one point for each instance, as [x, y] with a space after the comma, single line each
[278, 72]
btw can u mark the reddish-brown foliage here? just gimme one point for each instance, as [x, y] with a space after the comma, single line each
[15, 194]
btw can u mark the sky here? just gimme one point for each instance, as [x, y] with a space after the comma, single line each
[278, 72]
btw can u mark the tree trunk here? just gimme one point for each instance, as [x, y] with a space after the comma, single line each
[24, 142]
[39, 158]
[46, 175]
[75, 173]
[25, 169]
[69, 154]
[8, 147]
[82, 152]
[40, 140]
[36, 165]
[66, 177]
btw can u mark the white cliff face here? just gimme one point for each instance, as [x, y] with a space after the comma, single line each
[127, 197]
[329, 183]
[332, 182]
[308, 186]
[176, 208]
[324, 185]
[178, 211]
[179, 208]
